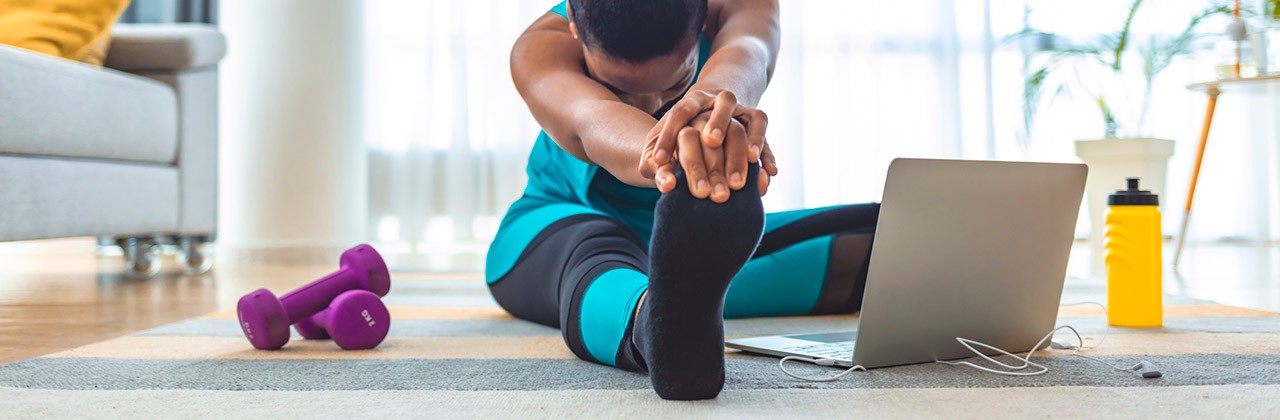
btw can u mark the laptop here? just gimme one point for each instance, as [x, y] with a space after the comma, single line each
[973, 249]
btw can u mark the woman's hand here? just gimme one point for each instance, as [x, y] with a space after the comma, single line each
[713, 172]
[717, 109]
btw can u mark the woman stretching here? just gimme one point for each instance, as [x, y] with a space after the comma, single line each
[641, 227]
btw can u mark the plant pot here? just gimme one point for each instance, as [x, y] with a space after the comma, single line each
[1110, 162]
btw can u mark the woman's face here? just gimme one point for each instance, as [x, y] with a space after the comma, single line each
[651, 85]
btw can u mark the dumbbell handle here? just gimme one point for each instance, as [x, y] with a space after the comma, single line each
[315, 296]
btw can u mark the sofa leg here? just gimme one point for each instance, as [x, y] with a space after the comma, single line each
[193, 253]
[140, 256]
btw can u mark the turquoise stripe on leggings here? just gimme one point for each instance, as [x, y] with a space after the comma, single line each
[515, 236]
[607, 307]
[787, 282]
[782, 218]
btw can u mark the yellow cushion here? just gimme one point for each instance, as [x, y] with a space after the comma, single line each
[77, 30]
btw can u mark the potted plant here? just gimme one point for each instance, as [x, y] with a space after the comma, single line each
[1057, 66]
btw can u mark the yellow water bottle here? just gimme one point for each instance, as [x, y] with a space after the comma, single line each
[1134, 292]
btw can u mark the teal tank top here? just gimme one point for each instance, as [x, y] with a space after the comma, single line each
[555, 176]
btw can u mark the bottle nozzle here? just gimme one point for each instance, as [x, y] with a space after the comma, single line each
[1132, 183]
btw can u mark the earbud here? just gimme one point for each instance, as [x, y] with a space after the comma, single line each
[1147, 370]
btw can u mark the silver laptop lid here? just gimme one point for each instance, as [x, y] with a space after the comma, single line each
[974, 249]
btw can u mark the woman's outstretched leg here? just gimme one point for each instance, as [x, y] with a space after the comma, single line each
[697, 248]
[809, 262]
[570, 267]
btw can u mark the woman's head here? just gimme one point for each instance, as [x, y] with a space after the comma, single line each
[646, 51]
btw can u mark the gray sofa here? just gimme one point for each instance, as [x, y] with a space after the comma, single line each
[127, 152]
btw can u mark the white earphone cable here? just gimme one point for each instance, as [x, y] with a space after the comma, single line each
[1026, 361]
[1105, 334]
[820, 362]
[1013, 370]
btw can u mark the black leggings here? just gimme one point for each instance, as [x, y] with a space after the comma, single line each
[585, 272]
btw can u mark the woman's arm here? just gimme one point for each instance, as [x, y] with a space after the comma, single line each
[744, 48]
[582, 116]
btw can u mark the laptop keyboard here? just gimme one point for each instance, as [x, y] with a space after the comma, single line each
[841, 350]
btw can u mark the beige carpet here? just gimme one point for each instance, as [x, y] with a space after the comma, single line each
[452, 353]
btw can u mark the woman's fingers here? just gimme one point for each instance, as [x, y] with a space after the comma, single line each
[722, 110]
[649, 168]
[691, 159]
[714, 147]
[757, 123]
[764, 182]
[735, 151]
[665, 177]
[675, 120]
[767, 161]
[715, 159]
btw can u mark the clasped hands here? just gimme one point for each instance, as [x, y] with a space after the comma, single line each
[713, 137]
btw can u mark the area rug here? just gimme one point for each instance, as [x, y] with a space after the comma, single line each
[453, 353]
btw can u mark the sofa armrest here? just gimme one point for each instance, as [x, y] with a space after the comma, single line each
[185, 57]
[166, 47]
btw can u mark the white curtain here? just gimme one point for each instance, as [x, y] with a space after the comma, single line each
[858, 84]
[448, 134]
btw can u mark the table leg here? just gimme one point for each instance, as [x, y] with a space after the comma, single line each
[1195, 172]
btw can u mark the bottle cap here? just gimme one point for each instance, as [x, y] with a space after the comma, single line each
[1133, 196]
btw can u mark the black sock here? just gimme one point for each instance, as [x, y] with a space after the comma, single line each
[697, 248]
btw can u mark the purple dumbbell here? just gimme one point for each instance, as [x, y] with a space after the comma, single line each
[265, 318]
[356, 320]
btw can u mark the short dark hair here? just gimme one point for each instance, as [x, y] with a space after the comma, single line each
[638, 30]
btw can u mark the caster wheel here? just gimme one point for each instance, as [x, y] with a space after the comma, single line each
[109, 247]
[193, 253]
[141, 256]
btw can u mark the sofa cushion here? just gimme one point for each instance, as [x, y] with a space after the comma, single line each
[71, 29]
[55, 107]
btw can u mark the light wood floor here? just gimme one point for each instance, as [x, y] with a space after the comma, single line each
[56, 295]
